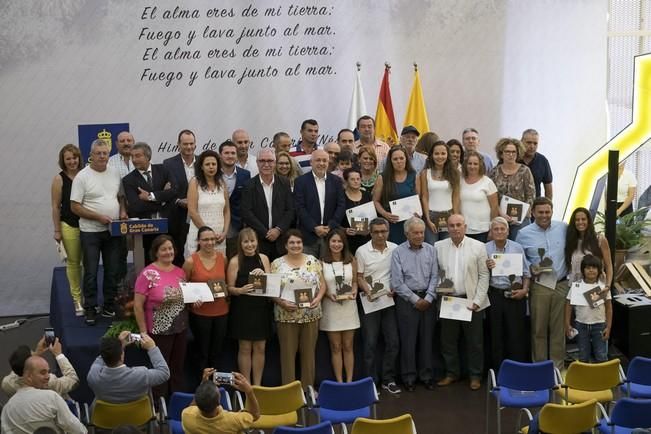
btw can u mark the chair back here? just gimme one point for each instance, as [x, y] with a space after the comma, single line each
[178, 402]
[279, 400]
[320, 428]
[568, 419]
[639, 371]
[108, 415]
[347, 396]
[225, 399]
[526, 376]
[632, 413]
[593, 377]
[398, 425]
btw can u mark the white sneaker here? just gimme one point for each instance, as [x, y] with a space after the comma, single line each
[391, 387]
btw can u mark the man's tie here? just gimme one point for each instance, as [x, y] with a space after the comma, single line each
[148, 176]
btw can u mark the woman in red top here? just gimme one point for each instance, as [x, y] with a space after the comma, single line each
[208, 321]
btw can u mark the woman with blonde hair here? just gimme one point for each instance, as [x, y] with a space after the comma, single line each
[65, 222]
[368, 167]
[288, 167]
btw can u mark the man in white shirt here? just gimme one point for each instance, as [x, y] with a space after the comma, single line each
[463, 260]
[121, 160]
[34, 406]
[374, 264]
[244, 159]
[97, 199]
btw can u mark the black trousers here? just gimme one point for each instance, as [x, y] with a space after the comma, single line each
[507, 321]
[209, 333]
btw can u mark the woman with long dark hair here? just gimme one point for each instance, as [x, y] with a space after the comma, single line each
[582, 239]
[355, 196]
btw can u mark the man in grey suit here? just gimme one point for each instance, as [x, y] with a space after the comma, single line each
[181, 168]
[267, 205]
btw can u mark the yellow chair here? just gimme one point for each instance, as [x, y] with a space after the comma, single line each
[585, 381]
[567, 419]
[106, 415]
[398, 425]
[278, 405]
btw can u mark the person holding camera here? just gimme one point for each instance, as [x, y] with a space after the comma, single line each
[205, 415]
[113, 381]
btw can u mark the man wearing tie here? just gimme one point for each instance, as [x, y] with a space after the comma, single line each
[320, 202]
[181, 169]
[267, 205]
[148, 189]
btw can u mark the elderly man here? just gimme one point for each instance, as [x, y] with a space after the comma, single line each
[346, 139]
[95, 199]
[333, 150]
[320, 202]
[408, 139]
[414, 277]
[470, 140]
[244, 159]
[282, 142]
[267, 205]
[113, 381]
[205, 415]
[302, 151]
[148, 190]
[236, 178]
[544, 245]
[374, 264]
[463, 260]
[537, 163]
[121, 161]
[61, 385]
[507, 315]
[181, 168]
[366, 128]
[33, 406]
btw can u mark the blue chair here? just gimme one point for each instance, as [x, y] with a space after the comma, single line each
[626, 415]
[345, 402]
[638, 378]
[179, 401]
[520, 385]
[321, 428]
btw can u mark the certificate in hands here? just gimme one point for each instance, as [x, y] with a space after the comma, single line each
[272, 286]
[291, 285]
[455, 308]
[516, 209]
[377, 303]
[507, 264]
[406, 207]
[196, 291]
[364, 211]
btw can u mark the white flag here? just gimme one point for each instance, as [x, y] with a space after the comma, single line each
[358, 102]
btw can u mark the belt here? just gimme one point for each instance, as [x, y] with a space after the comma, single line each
[495, 288]
[420, 292]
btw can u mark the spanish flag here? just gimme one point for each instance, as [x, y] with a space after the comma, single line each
[385, 121]
[416, 112]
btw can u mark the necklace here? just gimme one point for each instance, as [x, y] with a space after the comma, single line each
[339, 280]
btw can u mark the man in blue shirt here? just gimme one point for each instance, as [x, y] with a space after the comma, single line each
[544, 245]
[414, 277]
[537, 163]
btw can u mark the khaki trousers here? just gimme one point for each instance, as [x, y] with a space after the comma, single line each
[293, 338]
[548, 322]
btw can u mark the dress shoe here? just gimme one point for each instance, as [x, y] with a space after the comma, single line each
[410, 387]
[446, 381]
[475, 384]
[429, 385]
[79, 309]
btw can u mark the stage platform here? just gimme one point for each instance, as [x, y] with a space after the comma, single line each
[81, 346]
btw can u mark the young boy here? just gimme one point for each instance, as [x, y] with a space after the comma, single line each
[593, 324]
[344, 161]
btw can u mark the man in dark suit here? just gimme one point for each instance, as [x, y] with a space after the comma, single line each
[320, 202]
[235, 179]
[263, 193]
[181, 169]
[148, 189]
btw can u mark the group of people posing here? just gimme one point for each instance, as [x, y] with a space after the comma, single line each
[233, 215]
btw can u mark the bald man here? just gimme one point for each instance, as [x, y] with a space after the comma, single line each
[333, 150]
[320, 202]
[34, 406]
[122, 159]
[243, 142]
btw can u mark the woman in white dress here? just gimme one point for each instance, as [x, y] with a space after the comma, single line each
[208, 202]
[340, 318]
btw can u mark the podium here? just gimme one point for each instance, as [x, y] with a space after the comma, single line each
[138, 228]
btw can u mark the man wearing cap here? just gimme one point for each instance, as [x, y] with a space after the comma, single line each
[408, 138]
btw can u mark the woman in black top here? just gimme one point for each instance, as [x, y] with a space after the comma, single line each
[355, 196]
[66, 224]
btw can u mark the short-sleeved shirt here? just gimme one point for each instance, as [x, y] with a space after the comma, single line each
[165, 312]
[226, 422]
[375, 263]
[310, 272]
[475, 206]
[587, 314]
[541, 171]
[98, 192]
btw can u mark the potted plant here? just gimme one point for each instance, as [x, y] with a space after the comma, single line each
[628, 234]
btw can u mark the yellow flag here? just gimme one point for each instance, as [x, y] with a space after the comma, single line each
[416, 112]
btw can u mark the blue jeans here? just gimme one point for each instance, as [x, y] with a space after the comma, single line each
[432, 237]
[591, 341]
[92, 245]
